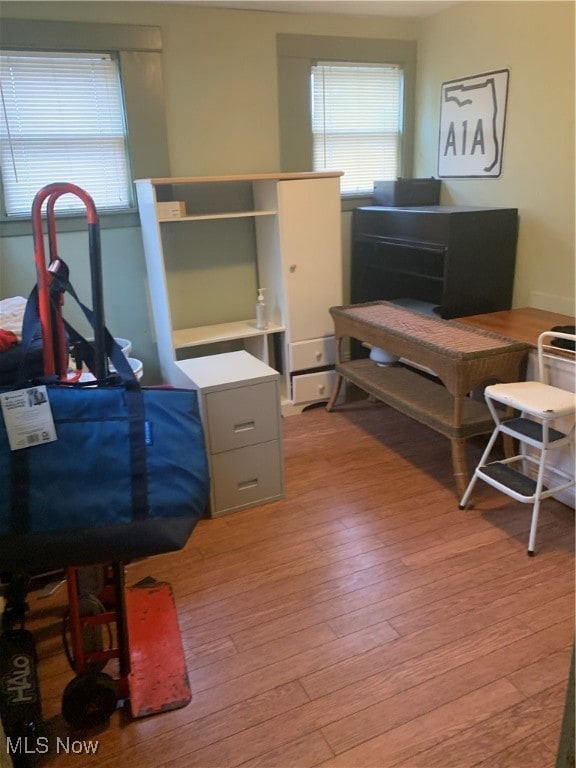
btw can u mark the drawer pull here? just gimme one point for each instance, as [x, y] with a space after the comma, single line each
[245, 426]
[318, 356]
[245, 484]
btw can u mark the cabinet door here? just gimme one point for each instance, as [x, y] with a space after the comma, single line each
[311, 253]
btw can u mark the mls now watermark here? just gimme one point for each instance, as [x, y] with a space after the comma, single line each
[40, 745]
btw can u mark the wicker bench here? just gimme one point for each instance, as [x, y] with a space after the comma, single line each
[462, 359]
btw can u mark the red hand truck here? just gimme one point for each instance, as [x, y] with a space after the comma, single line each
[142, 620]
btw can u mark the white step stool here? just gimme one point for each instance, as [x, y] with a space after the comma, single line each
[540, 406]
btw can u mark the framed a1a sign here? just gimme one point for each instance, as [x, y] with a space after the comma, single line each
[472, 121]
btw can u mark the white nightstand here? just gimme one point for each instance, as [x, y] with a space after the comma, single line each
[239, 400]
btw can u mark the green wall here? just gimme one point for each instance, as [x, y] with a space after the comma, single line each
[221, 94]
[535, 41]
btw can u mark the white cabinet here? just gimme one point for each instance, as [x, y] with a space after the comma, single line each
[299, 255]
[229, 235]
[239, 402]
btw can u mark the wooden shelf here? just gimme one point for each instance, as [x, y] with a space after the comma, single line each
[459, 257]
[212, 334]
[413, 274]
[228, 215]
[241, 177]
[417, 396]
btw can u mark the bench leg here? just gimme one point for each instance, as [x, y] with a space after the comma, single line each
[335, 392]
[459, 464]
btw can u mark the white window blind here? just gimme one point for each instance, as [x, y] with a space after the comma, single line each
[62, 121]
[357, 122]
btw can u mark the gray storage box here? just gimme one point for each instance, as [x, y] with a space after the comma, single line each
[406, 192]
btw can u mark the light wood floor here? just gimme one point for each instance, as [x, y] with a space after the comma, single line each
[363, 621]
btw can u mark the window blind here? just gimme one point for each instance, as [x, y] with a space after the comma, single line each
[62, 121]
[357, 122]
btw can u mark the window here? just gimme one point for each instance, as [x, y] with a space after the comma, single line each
[298, 55]
[63, 120]
[357, 122]
[136, 52]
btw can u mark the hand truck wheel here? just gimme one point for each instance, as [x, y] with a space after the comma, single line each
[89, 699]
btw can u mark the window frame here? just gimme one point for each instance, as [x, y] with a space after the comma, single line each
[296, 54]
[138, 50]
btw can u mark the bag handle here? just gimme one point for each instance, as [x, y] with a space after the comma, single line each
[61, 284]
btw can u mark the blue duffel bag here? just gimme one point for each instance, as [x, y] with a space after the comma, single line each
[126, 477]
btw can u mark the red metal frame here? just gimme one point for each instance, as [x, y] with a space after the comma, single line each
[156, 670]
[113, 597]
[55, 353]
[55, 361]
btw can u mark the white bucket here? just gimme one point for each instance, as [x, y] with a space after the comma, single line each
[382, 358]
[125, 345]
[137, 367]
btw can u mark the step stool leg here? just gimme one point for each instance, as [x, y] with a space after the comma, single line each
[533, 527]
[468, 491]
[538, 492]
[481, 463]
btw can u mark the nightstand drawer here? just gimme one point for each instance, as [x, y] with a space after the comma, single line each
[242, 416]
[313, 386]
[246, 476]
[312, 354]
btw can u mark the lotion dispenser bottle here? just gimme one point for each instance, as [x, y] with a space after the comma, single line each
[261, 323]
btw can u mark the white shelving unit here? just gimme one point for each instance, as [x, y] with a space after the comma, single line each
[288, 241]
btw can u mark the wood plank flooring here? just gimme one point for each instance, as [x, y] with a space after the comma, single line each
[364, 621]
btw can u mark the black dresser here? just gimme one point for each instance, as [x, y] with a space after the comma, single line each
[456, 260]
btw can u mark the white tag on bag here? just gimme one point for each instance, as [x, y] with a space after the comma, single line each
[28, 417]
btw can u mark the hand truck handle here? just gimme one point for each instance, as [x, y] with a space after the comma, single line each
[54, 348]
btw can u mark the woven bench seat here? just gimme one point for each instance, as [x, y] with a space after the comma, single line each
[462, 358]
[426, 401]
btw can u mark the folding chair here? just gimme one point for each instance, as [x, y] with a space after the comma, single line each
[539, 405]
